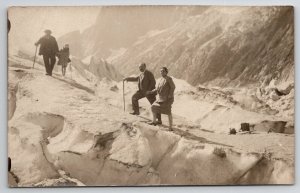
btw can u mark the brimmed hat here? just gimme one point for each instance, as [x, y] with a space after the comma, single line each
[48, 31]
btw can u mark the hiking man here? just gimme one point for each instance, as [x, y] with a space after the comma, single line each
[48, 49]
[63, 58]
[146, 82]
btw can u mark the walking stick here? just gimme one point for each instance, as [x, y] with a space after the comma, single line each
[123, 97]
[71, 69]
[34, 56]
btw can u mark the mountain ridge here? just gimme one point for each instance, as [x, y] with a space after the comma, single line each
[230, 49]
[220, 46]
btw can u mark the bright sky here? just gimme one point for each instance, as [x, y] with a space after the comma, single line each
[28, 23]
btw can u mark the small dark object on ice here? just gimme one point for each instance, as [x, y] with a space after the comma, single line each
[245, 127]
[114, 88]
[232, 131]
[219, 152]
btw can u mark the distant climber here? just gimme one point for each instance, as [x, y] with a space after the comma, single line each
[146, 82]
[165, 91]
[48, 49]
[64, 58]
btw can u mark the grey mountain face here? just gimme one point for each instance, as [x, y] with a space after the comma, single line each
[237, 48]
[99, 68]
[217, 45]
[118, 27]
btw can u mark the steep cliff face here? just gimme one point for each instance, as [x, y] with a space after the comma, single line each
[101, 69]
[119, 27]
[95, 69]
[223, 45]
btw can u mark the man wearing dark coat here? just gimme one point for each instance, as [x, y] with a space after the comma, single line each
[146, 82]
[48, 49]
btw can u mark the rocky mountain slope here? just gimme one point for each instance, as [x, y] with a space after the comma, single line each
[221, 46]
[203, 45]
[120, 26]
[96, 69]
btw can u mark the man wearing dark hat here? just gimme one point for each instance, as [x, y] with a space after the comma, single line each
[48, 49]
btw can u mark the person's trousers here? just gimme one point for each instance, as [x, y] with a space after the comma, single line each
[135, 101]
[49, 61]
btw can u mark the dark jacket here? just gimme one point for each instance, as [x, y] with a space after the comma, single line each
[63, 56]
[48, 46]
[146, 81]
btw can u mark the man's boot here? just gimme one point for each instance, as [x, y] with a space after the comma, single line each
[134, 113]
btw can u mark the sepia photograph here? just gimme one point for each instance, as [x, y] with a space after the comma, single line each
[150, 95]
